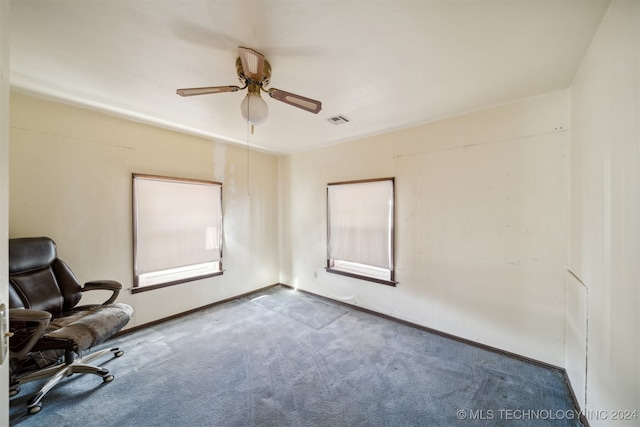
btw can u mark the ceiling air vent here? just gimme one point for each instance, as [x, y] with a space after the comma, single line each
[338, 120]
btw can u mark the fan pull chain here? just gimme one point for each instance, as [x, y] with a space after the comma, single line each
[248, 125]
[248, 157]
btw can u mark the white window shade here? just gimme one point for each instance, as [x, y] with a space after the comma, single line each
[177, 229]
[360, 223]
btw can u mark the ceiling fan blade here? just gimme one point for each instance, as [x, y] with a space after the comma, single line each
[206, 90]
[252, 63]
[307, 104]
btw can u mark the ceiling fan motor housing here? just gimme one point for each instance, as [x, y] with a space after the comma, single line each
[266, 74]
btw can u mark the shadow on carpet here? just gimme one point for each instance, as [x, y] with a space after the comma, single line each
[310, 311]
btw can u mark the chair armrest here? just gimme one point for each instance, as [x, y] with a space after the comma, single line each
[29, 315]
[41, 318]
[104, 285]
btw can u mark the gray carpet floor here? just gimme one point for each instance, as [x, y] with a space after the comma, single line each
[284, 358]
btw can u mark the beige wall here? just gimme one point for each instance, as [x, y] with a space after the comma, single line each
[71, 180]
[603, 335]
[481, 242]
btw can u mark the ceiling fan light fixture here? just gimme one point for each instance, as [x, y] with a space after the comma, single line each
[253, 108]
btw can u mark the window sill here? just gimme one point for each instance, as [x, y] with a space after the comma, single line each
[361, 277]
[138, 289]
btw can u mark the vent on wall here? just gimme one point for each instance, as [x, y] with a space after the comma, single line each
[338, 120]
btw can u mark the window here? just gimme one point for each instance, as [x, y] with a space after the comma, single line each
[177, 230]
[360, 223]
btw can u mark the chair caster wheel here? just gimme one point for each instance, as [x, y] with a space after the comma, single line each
[13, 392]
[34, 409]
[118, 353]
[108, 378]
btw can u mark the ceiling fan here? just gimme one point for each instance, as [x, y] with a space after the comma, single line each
[254, 73]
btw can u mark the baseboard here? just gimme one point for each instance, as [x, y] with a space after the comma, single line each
[581, 417]
[526, 359]
[195, 310]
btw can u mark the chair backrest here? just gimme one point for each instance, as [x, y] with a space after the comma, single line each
[38, 279]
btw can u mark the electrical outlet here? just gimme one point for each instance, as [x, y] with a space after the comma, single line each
[315, 274]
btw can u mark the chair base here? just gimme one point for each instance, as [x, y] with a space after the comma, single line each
[57, 373]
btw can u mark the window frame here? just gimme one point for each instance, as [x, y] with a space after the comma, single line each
[193, 277]
[350, 268]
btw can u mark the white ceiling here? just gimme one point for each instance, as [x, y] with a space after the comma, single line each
[382, 64]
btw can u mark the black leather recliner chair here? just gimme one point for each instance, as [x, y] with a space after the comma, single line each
[49, 330]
